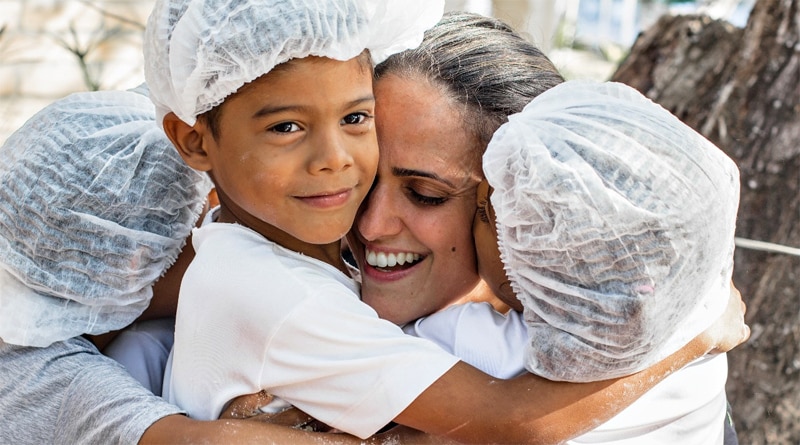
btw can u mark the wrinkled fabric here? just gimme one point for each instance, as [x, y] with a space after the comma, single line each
[198, 52]
[70, 393]
[95, 204]
[615, 225]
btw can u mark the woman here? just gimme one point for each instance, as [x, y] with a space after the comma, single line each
[437, 108]
[112, 423]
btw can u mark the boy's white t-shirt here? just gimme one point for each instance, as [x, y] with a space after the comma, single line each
[687, 408]
[253, 315]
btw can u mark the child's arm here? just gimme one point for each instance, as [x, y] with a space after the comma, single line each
[470, 406]
[179, 429]
[164, 302]
[165, 291]
[529, 409]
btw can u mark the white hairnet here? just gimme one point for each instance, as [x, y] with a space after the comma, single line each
[615, 225]
[95, 204]
[198, 52]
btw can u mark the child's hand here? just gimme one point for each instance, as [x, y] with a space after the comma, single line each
[249, 407]
[404, 434]
[729, 330]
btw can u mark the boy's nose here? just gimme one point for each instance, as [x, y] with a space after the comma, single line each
[332, 153]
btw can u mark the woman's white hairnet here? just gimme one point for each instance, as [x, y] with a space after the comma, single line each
[95, 204]
[615, 225]
[198, 52]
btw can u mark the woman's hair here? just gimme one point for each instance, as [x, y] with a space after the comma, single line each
[481, 63]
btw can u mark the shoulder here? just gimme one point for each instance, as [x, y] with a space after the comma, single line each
[237, 271]
[479, 335]
[470, 315]
[64, 383]
[226, 251]
[226, 237]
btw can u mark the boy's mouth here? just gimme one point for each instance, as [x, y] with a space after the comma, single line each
[327, 200]
[387, 262]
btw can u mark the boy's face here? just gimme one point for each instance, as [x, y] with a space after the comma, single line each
[490, 266]
[296, 151]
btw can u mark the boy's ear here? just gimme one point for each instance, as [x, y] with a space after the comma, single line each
[189, 141]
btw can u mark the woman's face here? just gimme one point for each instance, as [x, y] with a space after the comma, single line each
[413, 235]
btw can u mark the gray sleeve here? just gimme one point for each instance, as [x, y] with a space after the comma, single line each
[70, 393]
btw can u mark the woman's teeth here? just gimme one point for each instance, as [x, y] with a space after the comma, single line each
[382, 259]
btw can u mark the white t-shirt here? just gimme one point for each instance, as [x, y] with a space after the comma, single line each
[253, 315]
[686, 408]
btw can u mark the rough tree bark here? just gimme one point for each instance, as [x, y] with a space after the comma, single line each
[741, 89]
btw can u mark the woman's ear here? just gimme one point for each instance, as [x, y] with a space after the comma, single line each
[485, 211]
[483, 191]
[189, 141]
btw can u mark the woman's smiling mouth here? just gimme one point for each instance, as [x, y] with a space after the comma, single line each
[383, 260]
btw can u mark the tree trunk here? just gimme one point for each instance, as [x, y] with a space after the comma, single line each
[741, 89]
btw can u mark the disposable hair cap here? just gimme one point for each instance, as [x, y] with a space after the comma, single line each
[198, 52]
[615, 225]
[95, 204]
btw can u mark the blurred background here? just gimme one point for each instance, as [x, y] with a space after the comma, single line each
[50, 48]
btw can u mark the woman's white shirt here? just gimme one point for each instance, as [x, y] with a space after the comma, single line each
[688, 407]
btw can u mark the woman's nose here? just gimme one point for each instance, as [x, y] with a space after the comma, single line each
[379, 215]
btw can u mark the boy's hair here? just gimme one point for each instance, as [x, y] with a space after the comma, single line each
[198, 52]
[615, 224]
[95, 204]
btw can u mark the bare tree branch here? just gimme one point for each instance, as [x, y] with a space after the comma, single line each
[82, 51]
[117, 17]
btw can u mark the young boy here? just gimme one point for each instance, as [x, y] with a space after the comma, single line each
[274, 100]
[610, 232]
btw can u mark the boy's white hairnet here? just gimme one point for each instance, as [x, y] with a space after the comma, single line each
[198, 52]
[95, 204]
[615, 225]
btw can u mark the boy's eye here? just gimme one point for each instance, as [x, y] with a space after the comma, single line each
[426, 200]
[284, 127]
[355, 118]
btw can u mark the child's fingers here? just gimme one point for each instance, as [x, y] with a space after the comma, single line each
[247, 406]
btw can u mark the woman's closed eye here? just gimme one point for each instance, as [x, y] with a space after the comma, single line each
[426, 200]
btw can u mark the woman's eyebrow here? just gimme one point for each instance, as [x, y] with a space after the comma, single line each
[407, 172]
